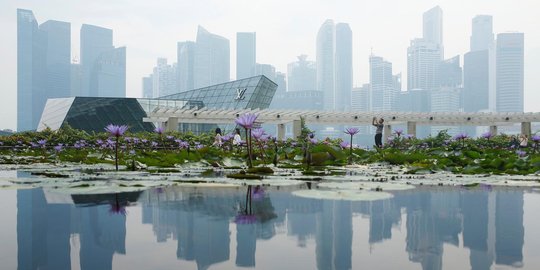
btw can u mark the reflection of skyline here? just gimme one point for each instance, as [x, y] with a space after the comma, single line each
[44, 231]
[490, 225]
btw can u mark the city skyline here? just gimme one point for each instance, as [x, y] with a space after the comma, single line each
[279, 42]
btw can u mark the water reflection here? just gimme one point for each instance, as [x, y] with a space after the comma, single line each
[488, 222]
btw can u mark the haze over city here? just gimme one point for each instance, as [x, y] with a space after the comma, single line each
[284, 30]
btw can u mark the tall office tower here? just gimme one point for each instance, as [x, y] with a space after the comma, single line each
[325, 63]
[423, 65]
[479, 67]
[396, 82]
[344, 70]
[334, 65]
[482, 33]
[164, 79]
[451, 72]
[76, 79]
[186, 59]
[109, 74]
[147, 87]
[265, 69]
[302, 75]
[433, 27]
[510, 72]
[43, 66]
[212, 59]
[383, 94]
[281, 80]
[103, 65]
[361, 98]
[246, 54]
[446, 99]
[476, 81]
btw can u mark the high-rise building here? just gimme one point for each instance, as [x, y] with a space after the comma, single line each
[510, 72]
[43, 66]
[476, 81]
[383, 95]
[361, 98]
[302, 75]
[451, 73]
[423, 65]
[212, 59]
[185, 68]
[479, 67]
[446, 99]
[343, 67]
[147, 84]
[163, 78]
[482, 33]
[334, 65]
[103, 65]
[265, 69]
[326, 63]
[433, 27]
[246, 54]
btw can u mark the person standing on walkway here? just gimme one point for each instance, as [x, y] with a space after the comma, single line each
[379, 123]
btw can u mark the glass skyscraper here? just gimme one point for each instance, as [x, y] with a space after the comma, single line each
[212, 59]
[510, 72]
[103, 65]
[43, 66]
[246, 54]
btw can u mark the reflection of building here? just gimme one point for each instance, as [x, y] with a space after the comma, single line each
[93, 114]
[45, 227]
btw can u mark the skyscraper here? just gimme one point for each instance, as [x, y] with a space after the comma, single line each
[433, 27]
[302, 75]
[103, 65]
[325, 63]
[451, 73]
[43, 66]
[212, 59]
[482, 32]
[510, 72]
[147, 87]
[185, 68]
[479, 67]
[334, 65]
[246, 54]
[423, 65]
[383, 94]
[343, 68]
[164, 79]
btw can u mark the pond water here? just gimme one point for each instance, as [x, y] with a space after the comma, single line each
[270, 228]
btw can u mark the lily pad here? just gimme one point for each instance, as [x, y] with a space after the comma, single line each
[346, 195]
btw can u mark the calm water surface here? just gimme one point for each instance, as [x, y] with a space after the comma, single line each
[228, 228]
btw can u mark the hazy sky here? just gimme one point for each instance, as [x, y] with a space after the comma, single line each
[285, 29]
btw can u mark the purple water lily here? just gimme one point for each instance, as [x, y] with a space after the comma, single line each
[257, 133]
[398, 132]
[521, 153]
[461, 136]
[159, 130]
[487, 135]
[344, 145]
[247, 120]
[536, 138]
[352, 131]
[59, 148]
[42, 143]
[115, 130]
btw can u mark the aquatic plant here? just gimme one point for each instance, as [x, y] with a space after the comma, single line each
[116, 131]
[247, 121]
[351, 131]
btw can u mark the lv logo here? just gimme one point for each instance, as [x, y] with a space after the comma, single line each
[240, 94]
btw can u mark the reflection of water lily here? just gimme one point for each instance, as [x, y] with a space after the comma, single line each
[117, 208]
[245, 219]
[257, 193]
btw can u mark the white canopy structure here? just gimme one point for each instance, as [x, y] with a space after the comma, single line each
[171, 116]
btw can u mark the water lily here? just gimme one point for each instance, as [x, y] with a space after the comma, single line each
[536, 138]
[461, 136]
[159, 130]
[344, 145]
[59, 148]
[487, 135]
[257, 133]
[116, 131]
[352, 132]
[521, 153]
[245, 219]
[398, 132]
[247, 120]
